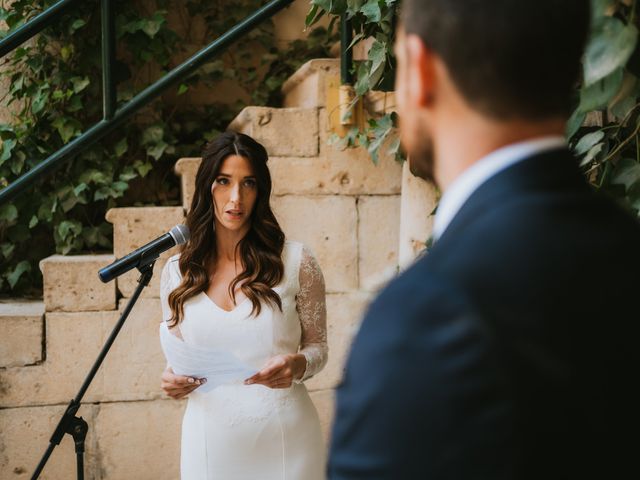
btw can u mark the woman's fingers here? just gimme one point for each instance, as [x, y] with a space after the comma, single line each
[178, 386]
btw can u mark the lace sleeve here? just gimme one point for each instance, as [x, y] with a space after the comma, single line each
[312, 311]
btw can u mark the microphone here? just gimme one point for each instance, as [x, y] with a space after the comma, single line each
[146, 254]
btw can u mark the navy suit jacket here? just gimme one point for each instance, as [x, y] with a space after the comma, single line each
[510, 350]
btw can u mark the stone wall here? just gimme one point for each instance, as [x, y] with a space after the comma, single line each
[337, 202]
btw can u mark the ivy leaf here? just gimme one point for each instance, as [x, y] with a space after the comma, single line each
[574, 123]
[68, 227]
[157, 150]
[609, 49]
[7, 249]
[152, 134]
[7, 148]
[76, 25]
[121, 147]
[371, 10]
[33, 222]
[22, 267]
[152, 26]
[378, 57]
[142, 167]
[80, 83]
[182, 88]
[362, 84]
[588, 141]
[40, 100]
[8, 212]
[627, 173]
[598, 95]
[591, 154]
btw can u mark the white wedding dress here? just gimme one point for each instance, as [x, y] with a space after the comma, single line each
[252, 431]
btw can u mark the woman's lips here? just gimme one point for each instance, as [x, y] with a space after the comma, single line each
[234, 214]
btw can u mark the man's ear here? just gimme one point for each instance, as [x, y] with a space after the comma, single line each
[421, 72]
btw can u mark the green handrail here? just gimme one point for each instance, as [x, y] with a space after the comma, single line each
[33, 27]
[113, 117]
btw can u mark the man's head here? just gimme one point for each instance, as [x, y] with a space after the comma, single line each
[505, 60]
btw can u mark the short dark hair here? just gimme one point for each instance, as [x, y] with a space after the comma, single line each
[509, 58]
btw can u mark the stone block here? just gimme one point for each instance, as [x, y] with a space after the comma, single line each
[134, 365]
[186, 169]
[344, 314]
[73, 342]
[21, 333]
[139, 440]
[378, 240]
[324, 401]
[354, 169]
[25, 437]
[133, 228]
[328, 226]
[284, 132]
[417, 204]
[71, 283]
[306, 88]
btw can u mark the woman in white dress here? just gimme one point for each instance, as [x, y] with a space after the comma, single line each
[239, 286]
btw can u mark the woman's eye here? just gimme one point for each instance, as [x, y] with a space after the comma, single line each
[222, 181]
[250, 183]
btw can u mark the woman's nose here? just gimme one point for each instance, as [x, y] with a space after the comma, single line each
[235, 193]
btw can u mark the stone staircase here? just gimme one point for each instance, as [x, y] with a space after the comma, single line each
[337, 202]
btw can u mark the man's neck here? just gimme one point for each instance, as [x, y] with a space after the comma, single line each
[460, 144]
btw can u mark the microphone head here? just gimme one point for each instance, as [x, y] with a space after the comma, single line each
[180, 234]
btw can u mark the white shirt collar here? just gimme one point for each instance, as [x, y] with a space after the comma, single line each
[482, 170]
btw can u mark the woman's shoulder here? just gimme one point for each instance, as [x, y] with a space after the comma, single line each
[294, 251]
[172, 266]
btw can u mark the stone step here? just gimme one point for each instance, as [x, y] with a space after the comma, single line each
[284, 132]
[334, 171]
[130, 372]
[21, 333]
[133, 227]
[71, 283]
[307, 87]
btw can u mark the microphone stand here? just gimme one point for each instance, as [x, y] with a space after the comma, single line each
[75, 426]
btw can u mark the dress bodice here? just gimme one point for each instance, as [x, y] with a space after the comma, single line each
[300, 326]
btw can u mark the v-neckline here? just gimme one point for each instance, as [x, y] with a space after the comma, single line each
[222, 309]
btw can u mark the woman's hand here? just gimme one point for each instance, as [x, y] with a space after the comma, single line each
[280, 371]
[178, 386]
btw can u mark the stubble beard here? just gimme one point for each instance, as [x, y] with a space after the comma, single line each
[421, 160]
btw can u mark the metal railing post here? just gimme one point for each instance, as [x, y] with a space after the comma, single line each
[109, 92]
[104, 127]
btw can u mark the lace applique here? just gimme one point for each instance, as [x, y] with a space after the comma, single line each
[239, 408]
[312, 311]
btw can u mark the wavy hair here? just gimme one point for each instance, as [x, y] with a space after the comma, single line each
[260, 249]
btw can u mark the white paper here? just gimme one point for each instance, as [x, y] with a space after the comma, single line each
[217, 366]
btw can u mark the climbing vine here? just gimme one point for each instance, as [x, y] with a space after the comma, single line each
[604, 130]
[51, 92]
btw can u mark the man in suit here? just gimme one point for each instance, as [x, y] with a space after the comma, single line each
[509, 350]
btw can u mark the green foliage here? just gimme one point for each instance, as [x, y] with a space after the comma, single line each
[608, 98]
[374, 20]
[54, 94]
[608, 92]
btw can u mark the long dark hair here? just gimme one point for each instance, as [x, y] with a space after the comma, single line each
[260, 249]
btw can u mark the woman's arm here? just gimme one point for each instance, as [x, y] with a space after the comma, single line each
[282, 370]
[312, 311]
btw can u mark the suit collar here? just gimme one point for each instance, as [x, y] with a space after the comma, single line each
[482, 170]
[544, 172]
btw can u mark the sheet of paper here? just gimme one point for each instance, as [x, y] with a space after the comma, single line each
[217, 366]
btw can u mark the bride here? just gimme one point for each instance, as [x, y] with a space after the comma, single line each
[238, 285]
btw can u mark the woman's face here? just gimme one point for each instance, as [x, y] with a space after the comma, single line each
[234, 192]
